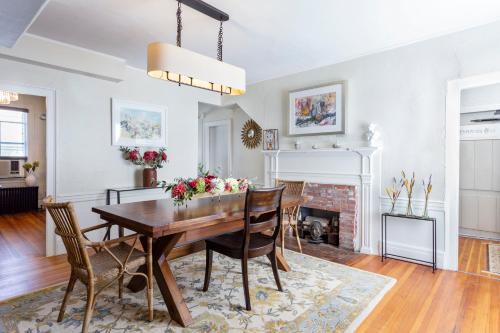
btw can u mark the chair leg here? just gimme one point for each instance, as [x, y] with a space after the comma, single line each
[208, 268]
[69, 289]
[149, 263]
[282, 231]
[89, 307]
[274, 265]
[244, 269]
[120, 287]
[296, 230]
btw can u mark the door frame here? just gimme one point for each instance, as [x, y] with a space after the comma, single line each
[452, 159]
[50, 151]
[206, 143]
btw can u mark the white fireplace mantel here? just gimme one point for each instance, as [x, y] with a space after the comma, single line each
[359, 166]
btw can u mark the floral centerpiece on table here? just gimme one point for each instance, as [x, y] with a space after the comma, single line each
[150, 160]
[183, 190]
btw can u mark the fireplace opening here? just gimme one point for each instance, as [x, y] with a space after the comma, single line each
[319, 225]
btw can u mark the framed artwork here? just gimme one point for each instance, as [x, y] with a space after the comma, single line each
[319, 110]
[271, 139]
[137, 124]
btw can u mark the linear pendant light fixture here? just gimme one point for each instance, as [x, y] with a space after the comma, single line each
[182, 66]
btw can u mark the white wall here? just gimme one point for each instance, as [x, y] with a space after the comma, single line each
[86, 163]
[403, 90]
[246, 163]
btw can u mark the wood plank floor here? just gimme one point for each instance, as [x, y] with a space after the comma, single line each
[473, 256]
[419, 302]
[22, 235]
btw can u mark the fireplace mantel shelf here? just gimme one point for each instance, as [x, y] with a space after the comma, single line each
[359, 150]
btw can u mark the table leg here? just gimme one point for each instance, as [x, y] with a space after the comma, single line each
[282, 264]
[382, 238]
[172, 296]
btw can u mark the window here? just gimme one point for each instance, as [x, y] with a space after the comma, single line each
[13, 129]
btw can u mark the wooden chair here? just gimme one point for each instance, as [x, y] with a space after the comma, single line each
[262, 212]
[111, 260]
[291, 215]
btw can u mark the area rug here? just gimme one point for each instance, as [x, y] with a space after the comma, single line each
[319, 296]
[494, 258]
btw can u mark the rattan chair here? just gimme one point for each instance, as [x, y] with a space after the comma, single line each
[291, 215]
[111, 260]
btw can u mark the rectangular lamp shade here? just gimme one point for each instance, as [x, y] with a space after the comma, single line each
[173, 63]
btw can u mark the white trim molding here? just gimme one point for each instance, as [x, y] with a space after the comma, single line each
[341, 166]
[452, 159]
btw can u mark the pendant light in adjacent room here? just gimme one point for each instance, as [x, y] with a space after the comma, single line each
[6, 97]
[182, 66]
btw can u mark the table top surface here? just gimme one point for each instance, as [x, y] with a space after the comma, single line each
[132, 188]
[413, 217]
[162, 217]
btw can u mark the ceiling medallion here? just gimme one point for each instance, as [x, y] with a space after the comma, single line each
[182, 66]
[6, 97]
[251, 134]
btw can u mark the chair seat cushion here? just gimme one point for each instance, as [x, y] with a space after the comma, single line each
[105, 266]
[231, 244]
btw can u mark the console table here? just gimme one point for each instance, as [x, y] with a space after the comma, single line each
[119, 190]
[15, 199]
[383, 226]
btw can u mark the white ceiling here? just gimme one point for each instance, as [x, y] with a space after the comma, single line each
[15, 18]
[269, 38]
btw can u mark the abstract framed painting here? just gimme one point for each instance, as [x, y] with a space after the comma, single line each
[271, 139]
[137, 124]
[319, 110]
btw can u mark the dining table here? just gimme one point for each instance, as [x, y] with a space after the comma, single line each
[171, 226]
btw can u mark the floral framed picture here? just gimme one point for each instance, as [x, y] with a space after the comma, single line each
[271, 139]
[138, 125]
[319, 110]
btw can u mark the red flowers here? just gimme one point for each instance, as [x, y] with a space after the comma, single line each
[163, 156]
[208, 182]
[149, 155]
[178, 191]
[192, 183]
[133, 155]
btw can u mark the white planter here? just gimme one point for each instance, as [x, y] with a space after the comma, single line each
[31, 179]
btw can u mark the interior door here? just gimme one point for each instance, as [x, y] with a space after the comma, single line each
[217, 148]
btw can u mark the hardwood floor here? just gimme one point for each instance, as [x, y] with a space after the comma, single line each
[473, 256]
[419, 302]
[22, 235]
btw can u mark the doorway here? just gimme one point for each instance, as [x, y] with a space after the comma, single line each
[465, 250]
[23, 176]
[217, 157]
[49, 95]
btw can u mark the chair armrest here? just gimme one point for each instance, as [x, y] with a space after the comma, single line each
[110, 242]
[96, 227]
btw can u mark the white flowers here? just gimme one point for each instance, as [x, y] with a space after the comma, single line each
[218, 186]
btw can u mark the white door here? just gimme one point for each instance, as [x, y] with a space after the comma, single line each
[217, 147]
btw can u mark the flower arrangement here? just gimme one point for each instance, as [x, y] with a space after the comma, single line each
[427, 191]
[183, 190]
[149, 159]
[394, 191]
[31, 167]
[408, 184]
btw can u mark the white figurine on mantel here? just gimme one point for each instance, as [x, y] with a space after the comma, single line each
[373, 136]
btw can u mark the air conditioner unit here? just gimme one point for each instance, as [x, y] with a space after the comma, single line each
[11, 168]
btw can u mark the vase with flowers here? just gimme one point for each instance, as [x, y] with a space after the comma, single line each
[409, 183]
[150, 160]
[427, 192]
[393, 192]
[30, 169]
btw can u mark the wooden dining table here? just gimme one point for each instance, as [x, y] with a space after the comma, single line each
[172, 227]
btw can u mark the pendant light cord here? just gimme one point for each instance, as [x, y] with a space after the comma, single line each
[179, 24]
[219, 42]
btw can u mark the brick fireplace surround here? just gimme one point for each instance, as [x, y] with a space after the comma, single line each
[341, 199]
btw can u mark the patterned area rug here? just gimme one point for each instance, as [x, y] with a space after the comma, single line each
[494, 258]
[319, 296]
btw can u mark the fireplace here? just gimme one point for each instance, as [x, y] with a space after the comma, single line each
[337, 206]
[319, 225]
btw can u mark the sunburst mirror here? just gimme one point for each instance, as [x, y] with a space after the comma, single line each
[251, 134]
